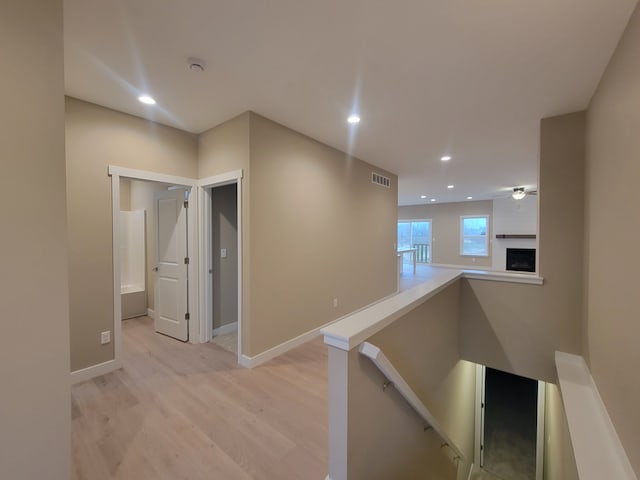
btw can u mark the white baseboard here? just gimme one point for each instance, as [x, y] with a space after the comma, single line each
[250, 362]
[94, 371]
[225, 329]
[150, 313]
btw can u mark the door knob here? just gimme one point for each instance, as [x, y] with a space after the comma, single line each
[155, 269]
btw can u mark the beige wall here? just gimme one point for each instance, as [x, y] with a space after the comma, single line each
[319, 230]
[385, 437]
[517, 328]
[223, 149]
[96, 138]
[559, 462]
[445, 229]
[612, 325]
[34, 331]
[224, 213]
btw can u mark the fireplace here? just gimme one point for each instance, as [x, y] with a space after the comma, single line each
[521, 259]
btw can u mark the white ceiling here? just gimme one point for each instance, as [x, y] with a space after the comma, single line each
[468, 78]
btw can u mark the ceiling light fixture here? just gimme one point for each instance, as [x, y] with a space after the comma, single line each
[449, 187]
[423, 196]
[353, 119]
[469, 198]
[446, 158]
[147, 100]
[518, 193]
[433, 199]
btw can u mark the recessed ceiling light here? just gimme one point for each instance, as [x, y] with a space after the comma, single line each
[449, 187]
[469, 198]
[353, 119]
[423, 196]
[445, 158]
[146, 99]
[433, 199]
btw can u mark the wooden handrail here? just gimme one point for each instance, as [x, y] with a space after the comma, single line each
[380, 360]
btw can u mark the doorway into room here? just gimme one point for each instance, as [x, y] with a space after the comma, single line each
[221, 253]
[224, 266]
[166, 204]
[511, 434]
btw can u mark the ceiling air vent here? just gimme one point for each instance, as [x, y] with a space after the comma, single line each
[380, 180]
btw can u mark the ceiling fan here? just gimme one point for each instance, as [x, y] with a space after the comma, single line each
[519, 193]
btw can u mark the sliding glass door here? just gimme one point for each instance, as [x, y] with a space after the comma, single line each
[416, 234]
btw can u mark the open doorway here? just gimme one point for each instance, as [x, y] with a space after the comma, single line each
[224, 256]
[221, 261]
[169, 197]
[511, 425]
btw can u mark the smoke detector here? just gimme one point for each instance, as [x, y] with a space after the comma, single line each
[196, 65]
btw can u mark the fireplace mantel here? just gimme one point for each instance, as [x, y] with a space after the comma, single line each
[516, 235]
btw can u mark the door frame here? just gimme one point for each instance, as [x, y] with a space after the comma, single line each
[481, 371]
[116, 173]
[205, 185]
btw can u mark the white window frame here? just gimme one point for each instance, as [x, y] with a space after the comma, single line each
[463, 236]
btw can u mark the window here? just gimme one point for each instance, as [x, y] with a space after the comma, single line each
[416, 234]
[474, 236]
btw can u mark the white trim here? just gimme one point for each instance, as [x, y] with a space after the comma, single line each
[94, 371]
[540, 430]
[222, 179]
[596, 446]
[493, 275]
[250, 362]
[151, 176]
[503, 277]
[151, 313]
[225, 329]
[350, 331]
[206, 264]
[487, 236]
[115, 249]
[479, 420]
[204, 245]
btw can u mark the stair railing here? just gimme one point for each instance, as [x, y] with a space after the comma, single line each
[394, 378]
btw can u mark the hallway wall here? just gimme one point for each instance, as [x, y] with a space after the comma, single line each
[34, 303]
[96, 138]
[611, 328]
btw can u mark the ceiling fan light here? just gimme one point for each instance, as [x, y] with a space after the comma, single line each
[518, 193]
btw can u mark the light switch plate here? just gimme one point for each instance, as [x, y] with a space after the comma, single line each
[105, 337]
[223, 253]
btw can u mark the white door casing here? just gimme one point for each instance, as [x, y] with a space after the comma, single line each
[171, 269]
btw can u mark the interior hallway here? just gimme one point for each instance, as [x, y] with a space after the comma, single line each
[188, 411]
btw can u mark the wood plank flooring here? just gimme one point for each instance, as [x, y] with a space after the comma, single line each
[179, 411]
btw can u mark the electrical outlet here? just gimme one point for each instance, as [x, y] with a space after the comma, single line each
[105, 337]
[335, 302]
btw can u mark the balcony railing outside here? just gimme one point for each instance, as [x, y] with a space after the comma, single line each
[423, 252]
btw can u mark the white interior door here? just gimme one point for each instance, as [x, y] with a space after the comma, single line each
[171, 289]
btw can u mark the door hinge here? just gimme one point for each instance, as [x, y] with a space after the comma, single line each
[187, 316]
[186, 204]
[186, 260]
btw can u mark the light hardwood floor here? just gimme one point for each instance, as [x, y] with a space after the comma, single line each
[178, 411]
